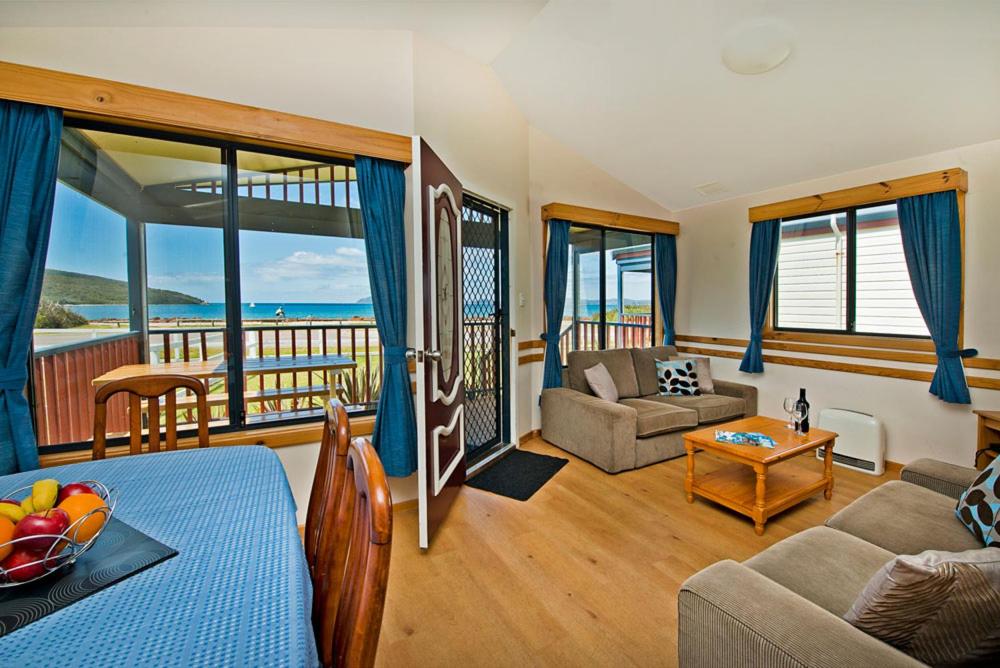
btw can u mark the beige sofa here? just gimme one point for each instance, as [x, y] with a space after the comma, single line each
[643, 427]
[785, 606]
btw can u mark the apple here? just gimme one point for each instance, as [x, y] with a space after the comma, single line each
[19, 566]
[41, 530]
[73, 489]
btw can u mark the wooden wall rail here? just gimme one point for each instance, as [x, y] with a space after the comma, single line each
[609, 219]
[843, 351]
[87, 97]
[932, 182]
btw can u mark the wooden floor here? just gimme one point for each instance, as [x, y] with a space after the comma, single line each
[584, 573]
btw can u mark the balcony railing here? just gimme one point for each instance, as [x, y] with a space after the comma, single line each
[631, 331]
[63, 391]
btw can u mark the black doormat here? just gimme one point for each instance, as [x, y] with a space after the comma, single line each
[120, 552]
[518, 475]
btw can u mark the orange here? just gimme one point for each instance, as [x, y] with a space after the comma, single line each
[6, 534]
[78, 506]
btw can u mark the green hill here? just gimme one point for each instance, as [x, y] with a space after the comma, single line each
[67, 287]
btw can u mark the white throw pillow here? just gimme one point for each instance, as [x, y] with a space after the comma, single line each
[601, 383]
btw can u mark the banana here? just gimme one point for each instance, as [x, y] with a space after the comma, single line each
[44, 494]
[27, 506]
[11, 512]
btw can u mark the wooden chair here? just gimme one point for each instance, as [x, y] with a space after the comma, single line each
[150, 388]
[350, 547]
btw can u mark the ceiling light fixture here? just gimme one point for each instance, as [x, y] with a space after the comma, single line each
[757, 46]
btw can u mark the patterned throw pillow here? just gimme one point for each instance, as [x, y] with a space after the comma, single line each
[678, 378]
[979, 506]
[703, 365]
[939, 607]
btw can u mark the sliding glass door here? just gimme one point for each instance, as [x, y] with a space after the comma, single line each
[177, 250]
[609, 290]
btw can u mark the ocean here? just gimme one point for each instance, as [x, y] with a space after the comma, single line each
[217, 311]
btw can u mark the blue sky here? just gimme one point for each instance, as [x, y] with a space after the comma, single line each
[90, 239]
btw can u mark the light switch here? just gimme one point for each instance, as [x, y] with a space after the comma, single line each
[521, 301]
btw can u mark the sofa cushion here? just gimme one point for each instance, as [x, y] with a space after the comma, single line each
[710, 407]
[979, 506]
[828, 567]
[601, 383]
[618, 363]
[644, 360]
[939, 607]
[905, 519]
[653, 417]
[703, 365]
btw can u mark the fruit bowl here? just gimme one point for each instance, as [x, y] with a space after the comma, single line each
[36, 543]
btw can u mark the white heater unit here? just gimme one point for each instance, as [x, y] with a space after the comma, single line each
[860, 441]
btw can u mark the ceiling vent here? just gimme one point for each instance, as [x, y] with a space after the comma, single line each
[713, 188]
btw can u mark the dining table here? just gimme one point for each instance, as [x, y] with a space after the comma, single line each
[237, 593]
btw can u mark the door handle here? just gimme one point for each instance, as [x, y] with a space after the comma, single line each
[433, 354]
[411, 354]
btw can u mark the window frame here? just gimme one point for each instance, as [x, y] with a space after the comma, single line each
[603, 304]
[851, 216]
[228, 150]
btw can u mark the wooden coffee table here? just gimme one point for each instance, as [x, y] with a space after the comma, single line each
[750, 486]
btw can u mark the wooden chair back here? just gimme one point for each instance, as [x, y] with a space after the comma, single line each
[331, 468]
[351, 548]
[150, 388]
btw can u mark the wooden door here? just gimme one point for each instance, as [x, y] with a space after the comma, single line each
[440, 383]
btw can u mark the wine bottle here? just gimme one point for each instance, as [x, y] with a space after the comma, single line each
[802, 403]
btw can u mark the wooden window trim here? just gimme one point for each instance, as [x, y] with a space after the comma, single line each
[140, 106]
[271, 437]
[956, 179]
[873, 193]
[612, 220]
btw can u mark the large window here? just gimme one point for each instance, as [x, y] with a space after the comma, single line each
[609, 292]
[168, 249]
[844, 272]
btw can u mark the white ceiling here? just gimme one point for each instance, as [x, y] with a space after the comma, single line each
[638, 87]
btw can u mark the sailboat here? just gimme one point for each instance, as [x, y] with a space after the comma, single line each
[253, 305]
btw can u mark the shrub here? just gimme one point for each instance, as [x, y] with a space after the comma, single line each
[56, 316]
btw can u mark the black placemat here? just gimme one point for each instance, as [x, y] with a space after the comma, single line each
[518, 475]
[120, 552]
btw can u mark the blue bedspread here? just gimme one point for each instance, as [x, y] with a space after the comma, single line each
[237, 594]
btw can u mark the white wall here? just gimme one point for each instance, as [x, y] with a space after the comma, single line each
[467, 118]
[715, 241]
[558, 174]
[350, 76]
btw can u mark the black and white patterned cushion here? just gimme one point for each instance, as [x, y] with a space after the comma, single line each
[677, 378]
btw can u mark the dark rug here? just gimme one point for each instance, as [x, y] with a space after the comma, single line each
[518, 475]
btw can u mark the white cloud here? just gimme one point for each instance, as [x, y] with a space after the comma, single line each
[307, 265]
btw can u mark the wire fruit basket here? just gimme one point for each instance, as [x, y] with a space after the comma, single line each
[56, 551]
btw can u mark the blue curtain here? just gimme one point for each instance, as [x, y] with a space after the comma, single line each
[556, 267]
[29, 157]
[763, 258]
[932, 244]
[382, 188]
[666, 282]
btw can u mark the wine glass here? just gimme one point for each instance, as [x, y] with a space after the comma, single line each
[789, 405]
[800, 414]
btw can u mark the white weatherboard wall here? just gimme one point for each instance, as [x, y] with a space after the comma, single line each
[558, 174]
[715, 242]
